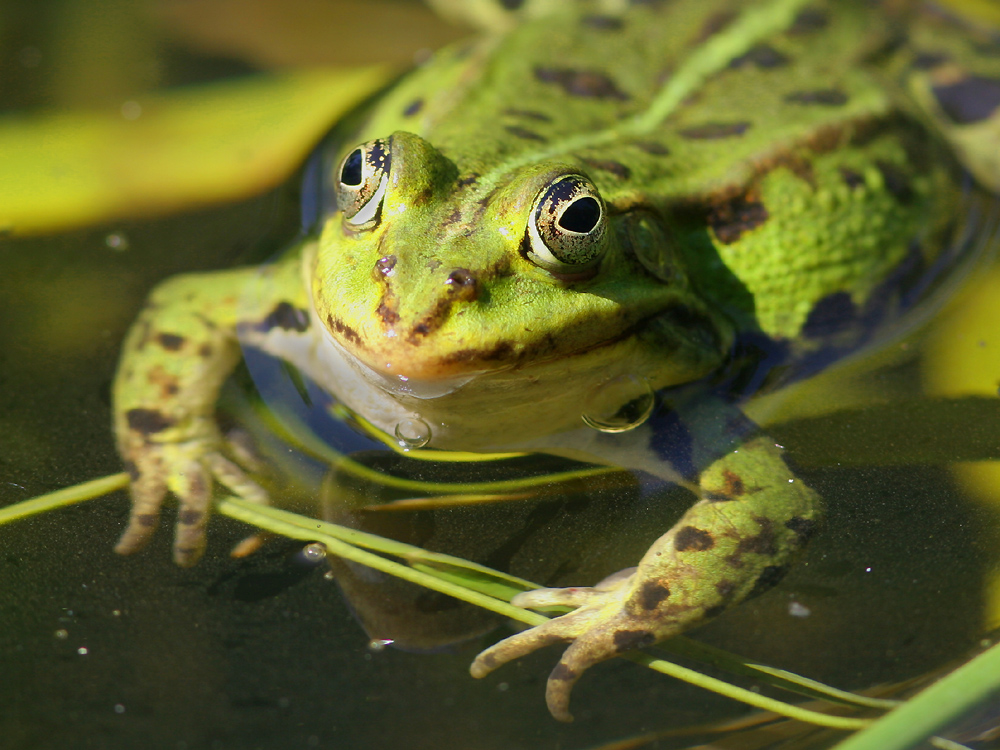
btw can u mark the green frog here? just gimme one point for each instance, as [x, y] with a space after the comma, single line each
[591, 232]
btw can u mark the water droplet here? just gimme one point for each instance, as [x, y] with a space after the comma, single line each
[378, 644]
[413, 433]
[314, 552]
[117, 241]
[621, 404]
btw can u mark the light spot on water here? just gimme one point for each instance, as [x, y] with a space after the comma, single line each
[131, 110]
[82, 651]
[798, 610]
[117, 241]
[378, 644]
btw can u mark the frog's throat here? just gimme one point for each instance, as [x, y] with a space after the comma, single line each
[489, 410]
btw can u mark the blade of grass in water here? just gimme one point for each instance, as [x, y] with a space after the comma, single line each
[299, 527]
[933, 709]
[78, 493]
[334, 538]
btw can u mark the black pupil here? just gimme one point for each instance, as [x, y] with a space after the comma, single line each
[351, 172]
[581, 215]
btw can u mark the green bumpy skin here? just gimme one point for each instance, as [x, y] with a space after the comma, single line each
[593, 202]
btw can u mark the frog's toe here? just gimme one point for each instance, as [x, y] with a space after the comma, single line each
[235, 479]
[148, 489]
[193, 487]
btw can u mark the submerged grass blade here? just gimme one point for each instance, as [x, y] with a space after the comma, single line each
[934, 708]
[299, 527]
[461, 579]
[78, 493]
[780, 678]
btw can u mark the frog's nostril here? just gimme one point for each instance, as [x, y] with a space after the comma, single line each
[463, 284]
[385, 265]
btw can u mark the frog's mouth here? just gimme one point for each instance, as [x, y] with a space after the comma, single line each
[500, 405]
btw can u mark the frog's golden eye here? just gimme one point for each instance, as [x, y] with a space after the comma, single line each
[567, 225]
[361, 183]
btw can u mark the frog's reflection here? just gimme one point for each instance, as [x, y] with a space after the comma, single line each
[556, 533]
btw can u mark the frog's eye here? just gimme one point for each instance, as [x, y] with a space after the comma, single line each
[361, 183]
[566, 226]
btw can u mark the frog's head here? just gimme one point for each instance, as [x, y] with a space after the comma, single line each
[501, 296]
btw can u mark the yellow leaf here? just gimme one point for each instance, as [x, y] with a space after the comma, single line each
[169, 150]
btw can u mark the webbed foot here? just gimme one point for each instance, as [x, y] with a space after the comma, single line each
[187, 465]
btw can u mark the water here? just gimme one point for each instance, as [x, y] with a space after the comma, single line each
[100, 651]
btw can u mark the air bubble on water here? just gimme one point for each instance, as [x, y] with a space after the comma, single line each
[117, 241]
[314, 552]
[413, 433]
[621, 404]
[378, 644]
[62, 634]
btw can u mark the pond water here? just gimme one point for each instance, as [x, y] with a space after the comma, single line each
[103, 651]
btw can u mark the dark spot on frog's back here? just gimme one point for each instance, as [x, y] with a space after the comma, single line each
[584, 83]
[627, 640]
[970, 100]
[715, 24]
[832, 314]
[148, 421]
[170, 341]
[529, 114]
[691, 539]
[712, 131]
[608, 165]
[762, 56]
[652, 147]
[762, 543]
[731, 219]
[285, 316]
[809, 21]
[603, 23]
[524, 133]
[413, 108]
[734, 486]
[652, 593]
[822, 97]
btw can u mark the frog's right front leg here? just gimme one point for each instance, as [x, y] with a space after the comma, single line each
[174, 361]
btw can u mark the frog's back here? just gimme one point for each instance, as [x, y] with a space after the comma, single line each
[763, 135]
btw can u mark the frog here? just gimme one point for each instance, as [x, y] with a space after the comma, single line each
[594, 231]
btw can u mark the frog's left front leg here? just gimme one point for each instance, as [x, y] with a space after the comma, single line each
[737, 541]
